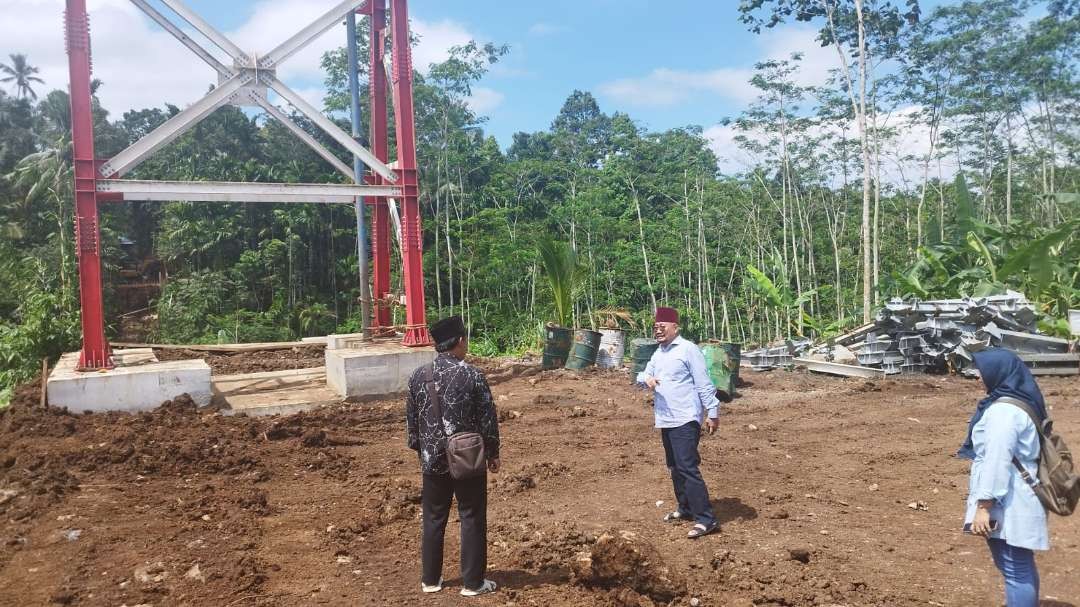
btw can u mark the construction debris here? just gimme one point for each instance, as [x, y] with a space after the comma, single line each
[783, 356]
[915, 336]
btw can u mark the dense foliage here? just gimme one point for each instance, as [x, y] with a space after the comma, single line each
[632, 217]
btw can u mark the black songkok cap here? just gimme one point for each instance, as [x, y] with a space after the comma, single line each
[447, 329]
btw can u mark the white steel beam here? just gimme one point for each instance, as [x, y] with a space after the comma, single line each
[184, 39]
[204, 28]
[173, 127]
[325, 124]
[231, 191]
[256, 198]
[304, 136]
[304, 37]
[821, 366]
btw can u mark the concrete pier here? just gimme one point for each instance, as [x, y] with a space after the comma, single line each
[138, 382]
[371, 369]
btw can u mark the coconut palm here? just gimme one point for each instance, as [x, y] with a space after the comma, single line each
[565, 277]
[22, 74]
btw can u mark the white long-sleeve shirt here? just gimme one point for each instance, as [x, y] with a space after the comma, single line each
[685, 392]
[1004, 432]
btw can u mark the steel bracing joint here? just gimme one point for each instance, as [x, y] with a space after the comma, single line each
[245, 72]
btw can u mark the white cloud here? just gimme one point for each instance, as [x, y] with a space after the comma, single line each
[901, 155]
[729, 156]
[143, 66]
[483, 100]
[664, 86]
[546, 29]
[436, 38]
[140, 67]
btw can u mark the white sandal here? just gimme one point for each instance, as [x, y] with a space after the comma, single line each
[430, 589]
[486, 587]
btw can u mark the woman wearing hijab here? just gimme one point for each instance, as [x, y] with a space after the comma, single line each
[1001, 506]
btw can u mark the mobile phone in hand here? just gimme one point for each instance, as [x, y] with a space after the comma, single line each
[993, 526]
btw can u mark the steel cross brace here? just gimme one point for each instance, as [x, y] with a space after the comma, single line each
[239, 82]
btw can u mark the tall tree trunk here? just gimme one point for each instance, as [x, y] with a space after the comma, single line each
[644, 251]
[859, 108]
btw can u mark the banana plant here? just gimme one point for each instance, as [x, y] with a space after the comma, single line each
[779, 295]
[981, 259]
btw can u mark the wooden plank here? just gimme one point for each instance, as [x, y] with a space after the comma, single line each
[44, 382]
[252, 347]
[856, 334]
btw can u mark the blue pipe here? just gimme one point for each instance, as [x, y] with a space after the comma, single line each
[358, 172]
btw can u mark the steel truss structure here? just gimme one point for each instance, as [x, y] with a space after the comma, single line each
[245, 83]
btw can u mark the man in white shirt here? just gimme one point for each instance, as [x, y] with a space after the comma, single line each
[685, 401]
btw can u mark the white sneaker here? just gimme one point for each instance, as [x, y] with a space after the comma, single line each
[486, 587]
[430, 589]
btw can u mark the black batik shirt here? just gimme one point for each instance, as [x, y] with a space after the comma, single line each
[466, 407]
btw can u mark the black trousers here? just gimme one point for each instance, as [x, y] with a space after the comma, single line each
[437, 493]
[681, 453]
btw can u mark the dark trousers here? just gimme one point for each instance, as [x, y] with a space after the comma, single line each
[681, 452]
[438, 492]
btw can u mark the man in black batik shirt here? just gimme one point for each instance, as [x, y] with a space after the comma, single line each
[466, 407]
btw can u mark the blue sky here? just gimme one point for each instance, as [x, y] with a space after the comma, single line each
[667, 64]
[558, 46]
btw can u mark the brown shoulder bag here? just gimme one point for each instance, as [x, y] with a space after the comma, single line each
[1057, 483]
[464, 450]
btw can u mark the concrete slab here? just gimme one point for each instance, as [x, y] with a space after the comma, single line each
[373, 369]
[344, 341]
[273, 392]
[138, 382]
[133, 357]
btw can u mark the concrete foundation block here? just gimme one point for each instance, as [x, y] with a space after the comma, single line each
[373, 369]
[138, 382]
[343, 341]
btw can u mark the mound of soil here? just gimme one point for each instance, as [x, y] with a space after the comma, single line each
[235, 363]
[623, 560]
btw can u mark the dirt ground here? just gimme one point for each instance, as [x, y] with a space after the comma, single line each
[233, 363]
[830, 492]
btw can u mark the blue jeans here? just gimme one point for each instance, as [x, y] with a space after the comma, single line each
[681, 453]
[1021, 576]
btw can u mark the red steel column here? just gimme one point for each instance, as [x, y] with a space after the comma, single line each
[95, 351]
[412, 237]
[380, 224]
